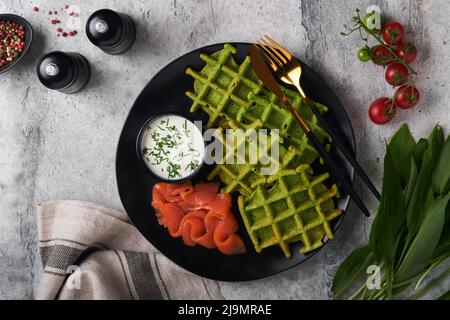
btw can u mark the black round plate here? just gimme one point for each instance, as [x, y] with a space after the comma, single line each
[28, 38]
[166, 93]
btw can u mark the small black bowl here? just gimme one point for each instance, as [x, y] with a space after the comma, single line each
[141, 157]
[28, 38]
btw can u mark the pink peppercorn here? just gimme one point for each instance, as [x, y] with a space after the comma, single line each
[12, 41]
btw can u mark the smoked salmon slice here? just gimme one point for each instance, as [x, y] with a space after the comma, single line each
[219, 206]
[195, 232]
[201, 194]
[171, 216]
[199, 215]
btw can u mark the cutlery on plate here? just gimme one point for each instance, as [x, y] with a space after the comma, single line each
[289, 69]
[263, 72]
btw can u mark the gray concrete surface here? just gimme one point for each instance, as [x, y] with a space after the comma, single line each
[56, 146]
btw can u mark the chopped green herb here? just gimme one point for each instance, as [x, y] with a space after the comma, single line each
[169, 148]
[192, 166]
[174, 170]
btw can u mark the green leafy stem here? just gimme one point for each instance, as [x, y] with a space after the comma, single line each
[410, 236]
[360, 26]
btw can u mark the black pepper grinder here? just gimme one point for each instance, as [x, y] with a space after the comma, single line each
[67, 72]
[111, 31]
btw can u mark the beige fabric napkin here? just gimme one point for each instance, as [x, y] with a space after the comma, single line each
[92, 252]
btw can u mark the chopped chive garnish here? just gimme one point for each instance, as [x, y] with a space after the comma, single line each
[170, 147]
[174, 170]
[192, 166]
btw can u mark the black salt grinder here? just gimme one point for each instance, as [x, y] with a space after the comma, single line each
[67, 72]
[111, 31]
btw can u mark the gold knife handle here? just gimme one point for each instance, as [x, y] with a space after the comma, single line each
[296, 115]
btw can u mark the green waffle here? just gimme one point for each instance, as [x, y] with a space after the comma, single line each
[298, 207]
[234, 97]
[290, 205]
[243, 177]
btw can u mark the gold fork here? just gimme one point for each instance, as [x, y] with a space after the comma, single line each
[289, 70]
[284, 64]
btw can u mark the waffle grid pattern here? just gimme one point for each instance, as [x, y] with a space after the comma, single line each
[297, 208]
[234, 97]
[291, 205]
[241, 176]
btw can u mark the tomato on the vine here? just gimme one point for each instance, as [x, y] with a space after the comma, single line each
[396, 74]
[364, 54]
[395, 54]
[381, 55]
[392, 33]
[407, 97]
[406, 51]
[382, 110]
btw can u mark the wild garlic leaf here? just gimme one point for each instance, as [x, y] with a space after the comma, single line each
[401, 146]
[391, 214]
[412, 228]
[420, 197]
[443, 247]
[414, 171]
[441, 174]
[425, 241]
[351, 270]
[386, 232]
[419, 151]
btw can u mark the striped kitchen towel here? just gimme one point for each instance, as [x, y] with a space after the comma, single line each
[92, 252]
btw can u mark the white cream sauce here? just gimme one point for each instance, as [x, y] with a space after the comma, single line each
[172, 147]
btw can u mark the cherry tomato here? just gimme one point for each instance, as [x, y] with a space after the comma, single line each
[396, 74]
[380, 55]
[364, 54]
[407, 97]
[406, 51]
[382, 110]
[392, 33]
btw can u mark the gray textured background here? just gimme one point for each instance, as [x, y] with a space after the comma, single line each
[56, 146]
